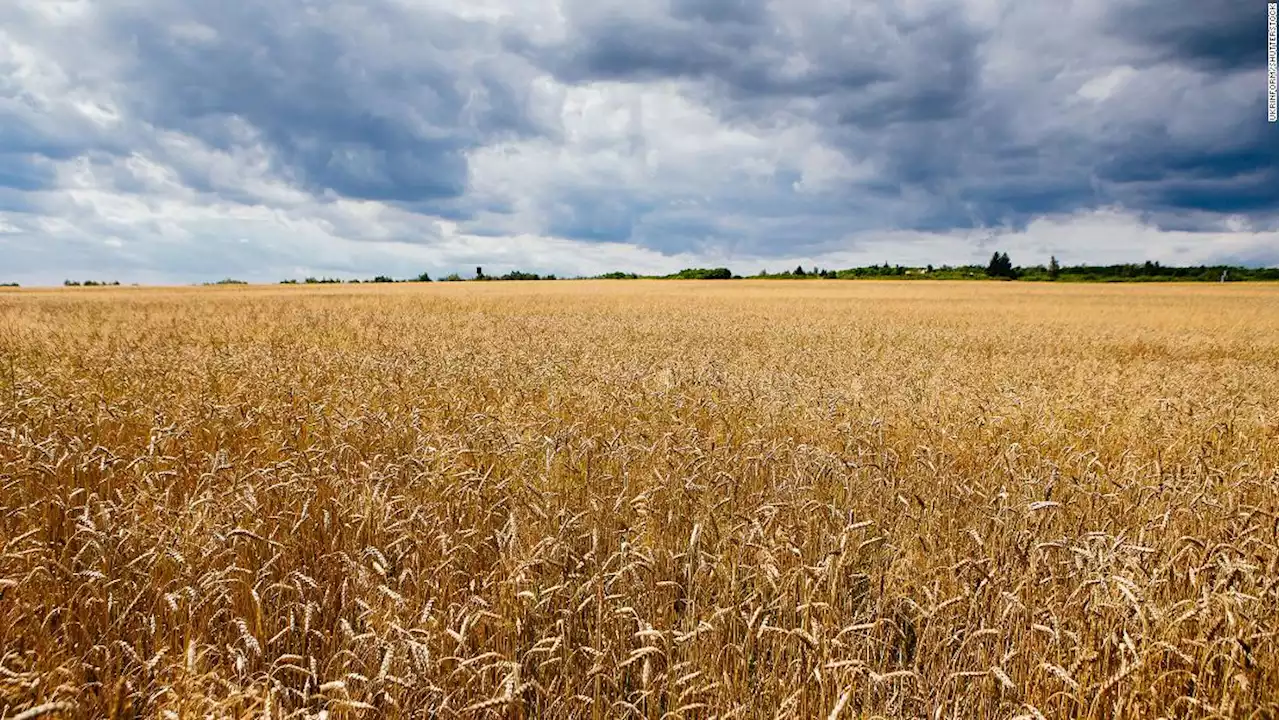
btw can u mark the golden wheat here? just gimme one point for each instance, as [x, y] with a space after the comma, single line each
[651, 499]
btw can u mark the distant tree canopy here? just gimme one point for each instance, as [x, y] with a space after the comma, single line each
[518, 275]
[425, 278]
[1145, 272]
[1001, 266]
[702, 274]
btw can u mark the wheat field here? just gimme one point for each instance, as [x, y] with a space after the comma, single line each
[639, 499]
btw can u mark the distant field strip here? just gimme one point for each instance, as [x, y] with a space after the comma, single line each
[757, 499]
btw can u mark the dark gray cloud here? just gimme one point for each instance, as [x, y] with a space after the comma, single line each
[880, 67]
[1211, 35]
[607, 217]
[367, 100]
[923, 97]
[720, 11]
[1238, 180]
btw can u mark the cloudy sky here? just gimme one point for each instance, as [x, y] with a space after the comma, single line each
[188, 140]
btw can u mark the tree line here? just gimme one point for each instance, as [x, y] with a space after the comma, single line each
[426, 277]
[1000, 267]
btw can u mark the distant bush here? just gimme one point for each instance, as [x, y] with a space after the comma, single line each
[228, 281]
[517, 275]
[424, 277]
[382, 279]
[703, 274]
[451, 277]
[618, 276]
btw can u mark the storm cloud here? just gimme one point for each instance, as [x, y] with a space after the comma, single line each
[156, 140]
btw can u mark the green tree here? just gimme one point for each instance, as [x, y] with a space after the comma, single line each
[519, 275]
[703, 274]
[1000, 266]
[1054, 268]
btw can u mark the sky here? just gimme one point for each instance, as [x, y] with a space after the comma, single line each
[178, 141]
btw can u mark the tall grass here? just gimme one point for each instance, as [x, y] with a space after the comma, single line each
[661, 500]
